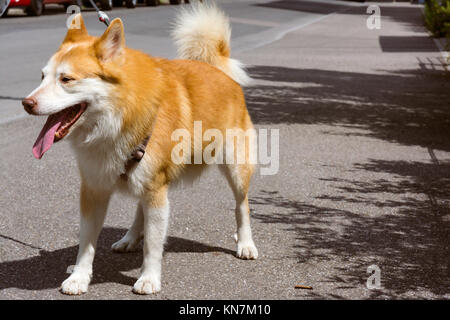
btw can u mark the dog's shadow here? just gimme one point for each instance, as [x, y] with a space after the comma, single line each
[48, 269]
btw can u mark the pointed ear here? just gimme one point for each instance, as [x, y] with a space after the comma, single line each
[77, 29]
[112, 43]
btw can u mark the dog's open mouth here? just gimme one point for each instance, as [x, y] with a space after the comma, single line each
[57, 127]
[70, 116]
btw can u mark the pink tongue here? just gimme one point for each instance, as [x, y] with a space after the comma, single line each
[45, 139]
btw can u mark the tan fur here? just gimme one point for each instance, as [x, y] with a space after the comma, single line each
[151, 96]
[150, 93]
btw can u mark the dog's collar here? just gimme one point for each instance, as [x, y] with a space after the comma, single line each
[136, 156]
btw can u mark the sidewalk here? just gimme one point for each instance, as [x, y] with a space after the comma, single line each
[364, 121]
[364, 176]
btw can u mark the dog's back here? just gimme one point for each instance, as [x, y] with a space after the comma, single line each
[206, 79]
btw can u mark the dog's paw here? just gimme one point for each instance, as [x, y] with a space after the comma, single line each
[247, 251]
[147, 285]
[76, 284]
[126, 244]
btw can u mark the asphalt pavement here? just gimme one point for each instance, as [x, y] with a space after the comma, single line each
[364, 174]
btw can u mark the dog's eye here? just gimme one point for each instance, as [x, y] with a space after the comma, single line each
[42, 76]
[66, 79]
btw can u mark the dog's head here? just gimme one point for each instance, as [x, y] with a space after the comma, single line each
[77, 83]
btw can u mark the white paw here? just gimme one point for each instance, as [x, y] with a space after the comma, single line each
[247, 250]
[76, 284]
[126, 244]
[147, 285]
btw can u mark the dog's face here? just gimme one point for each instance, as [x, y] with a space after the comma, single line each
[76, 83]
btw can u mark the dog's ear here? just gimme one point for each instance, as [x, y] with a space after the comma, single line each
[77, 29]
[112, 43]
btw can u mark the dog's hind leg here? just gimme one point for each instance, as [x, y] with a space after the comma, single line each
[156, 217]
[93, 205]
[134, 235]
[238, 177]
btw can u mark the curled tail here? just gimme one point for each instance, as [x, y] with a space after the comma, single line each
[202, 32]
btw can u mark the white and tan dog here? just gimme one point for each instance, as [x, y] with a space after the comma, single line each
[106, 99]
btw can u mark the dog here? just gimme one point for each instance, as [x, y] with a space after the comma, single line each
[118, 108]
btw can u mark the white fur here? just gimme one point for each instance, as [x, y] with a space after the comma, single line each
[155, 224]
[243, 237]
[101, 151]
[53, 96]
[246, 247]
[237, 72]
[95, 137]
[198, 30]
[90, 225]
[134, 235]
[151, 224]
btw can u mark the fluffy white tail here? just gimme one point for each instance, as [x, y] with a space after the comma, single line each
[202, 32]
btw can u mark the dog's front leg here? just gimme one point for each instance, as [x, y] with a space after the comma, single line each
[132, 238]
[156, 217]
[93, 205]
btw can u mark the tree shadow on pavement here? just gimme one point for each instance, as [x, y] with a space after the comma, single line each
[408, 107]
[407, 44]
[49, 268]
[409, 17]
[408, 235]
[410, 245]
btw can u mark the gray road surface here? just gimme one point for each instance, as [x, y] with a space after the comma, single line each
[364, 174]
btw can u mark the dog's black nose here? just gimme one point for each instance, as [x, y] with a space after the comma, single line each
[29, 104]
